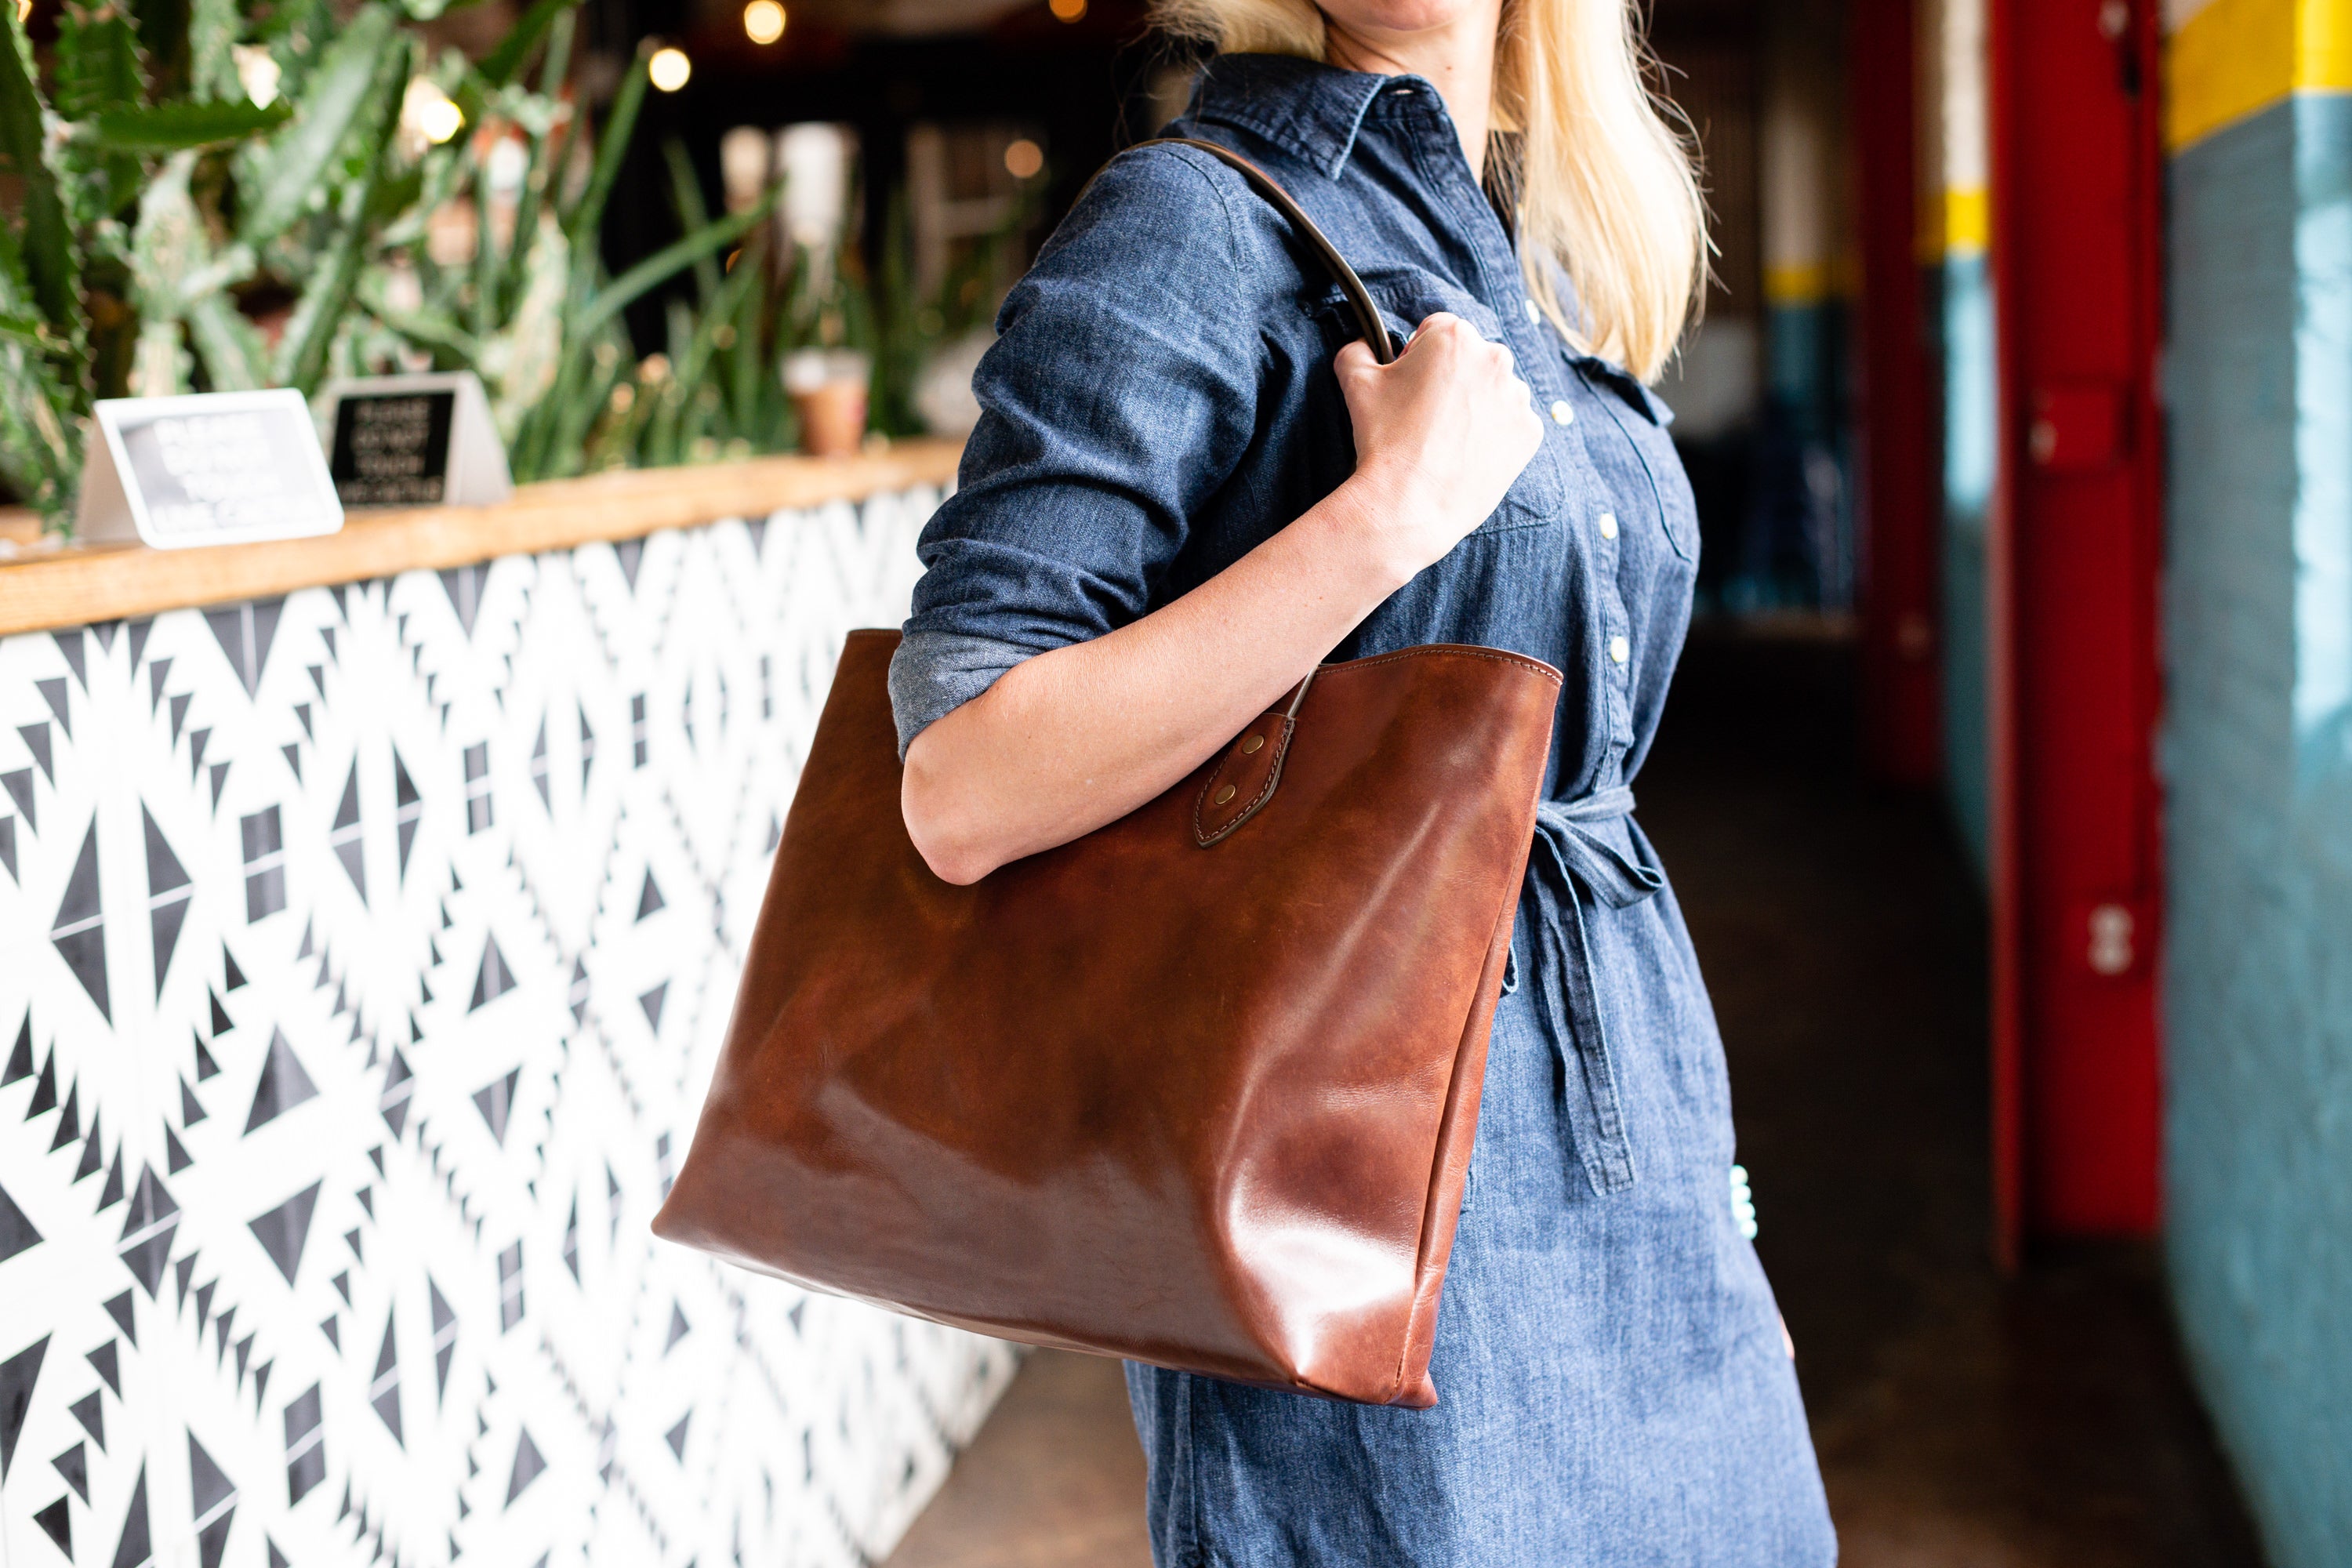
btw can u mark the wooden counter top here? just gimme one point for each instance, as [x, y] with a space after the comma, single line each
[80, 584]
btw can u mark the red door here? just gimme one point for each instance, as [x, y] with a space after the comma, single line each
[1902, 496]
[2076, 541]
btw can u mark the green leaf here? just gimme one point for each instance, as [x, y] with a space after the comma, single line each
[396, 195]
[230, 346]
[505, 62]
[332, 98]
[171, 127]
[30, 330]
[426, 329]
[580, 225]
[546, 166]
[686, 195]
[213, 27]
[302, 353]
[97, 63]
[163, 33]
[619, 294]
[48, 243]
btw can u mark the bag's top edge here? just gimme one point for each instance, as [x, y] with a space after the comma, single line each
[1324, 672]
[1442, 651]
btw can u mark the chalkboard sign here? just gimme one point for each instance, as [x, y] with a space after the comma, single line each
[415, 441]
[391, 448]
[220, 468]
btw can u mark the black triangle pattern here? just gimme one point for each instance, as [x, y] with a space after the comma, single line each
[282, 1086]
[79, 933]
[73, 1467]
[135, 859]
[284, 1230]
[19, 1376]
[57, 1522]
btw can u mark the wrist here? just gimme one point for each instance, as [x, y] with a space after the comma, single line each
[1378, 504]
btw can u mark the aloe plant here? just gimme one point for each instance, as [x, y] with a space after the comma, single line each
[713, 391]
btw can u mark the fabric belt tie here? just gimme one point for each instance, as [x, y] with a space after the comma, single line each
[1571, 864]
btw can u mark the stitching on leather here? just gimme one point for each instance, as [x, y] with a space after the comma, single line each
[1201, 800]
[1272, 777]
[1441, 650]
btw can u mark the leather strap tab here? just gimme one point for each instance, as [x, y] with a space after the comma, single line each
[1243, 781]
[1250, 772]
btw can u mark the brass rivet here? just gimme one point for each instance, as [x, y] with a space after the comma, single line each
[1251, 744]
[1224, 794]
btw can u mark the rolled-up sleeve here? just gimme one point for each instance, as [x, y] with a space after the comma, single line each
[1121, 394]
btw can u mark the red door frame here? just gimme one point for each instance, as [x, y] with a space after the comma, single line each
[1902, 495]
[2075, 551]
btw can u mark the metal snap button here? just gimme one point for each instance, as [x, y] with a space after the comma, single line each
[1224, 796]
[1620, 650]
[1608, 525]
[1561, 413]
[1251, 744]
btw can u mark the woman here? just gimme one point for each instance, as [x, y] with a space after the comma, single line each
[1183, 494]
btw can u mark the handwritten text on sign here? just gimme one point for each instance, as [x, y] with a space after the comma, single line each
[392, 450]
[212, 469]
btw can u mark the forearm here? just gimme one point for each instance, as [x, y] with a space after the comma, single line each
[1070, 740]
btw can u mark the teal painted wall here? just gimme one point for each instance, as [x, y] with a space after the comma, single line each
[2258, 767]
[1968, 453]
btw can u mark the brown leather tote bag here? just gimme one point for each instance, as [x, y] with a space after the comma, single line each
[1198, 1088]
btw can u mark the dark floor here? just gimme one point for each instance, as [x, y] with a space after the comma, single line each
[1962, 1422]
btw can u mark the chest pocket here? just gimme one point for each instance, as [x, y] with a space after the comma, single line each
[1407, 297]
[1641, 417]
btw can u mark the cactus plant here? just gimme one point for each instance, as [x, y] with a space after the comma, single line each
[218, 195]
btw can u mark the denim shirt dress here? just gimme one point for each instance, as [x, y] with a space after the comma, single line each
[1611, 1379]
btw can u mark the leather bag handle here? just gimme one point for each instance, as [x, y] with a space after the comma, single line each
[1369, 325]
[1251, 770]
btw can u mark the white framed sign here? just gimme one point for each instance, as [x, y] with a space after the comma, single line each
[415, 440]
[214, 468]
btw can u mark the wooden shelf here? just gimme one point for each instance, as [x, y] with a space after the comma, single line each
[77, 585]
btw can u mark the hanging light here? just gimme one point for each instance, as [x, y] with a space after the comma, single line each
[1066, 10]
[763, 21]
[1023, 158]
[428, 112]
[668, 69]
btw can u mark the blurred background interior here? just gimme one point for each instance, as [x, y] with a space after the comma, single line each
[1909, 784]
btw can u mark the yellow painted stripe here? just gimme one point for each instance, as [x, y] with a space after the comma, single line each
[2324, 47]
[1954, 222]
[1796, 283]
[1968, 221]
[2236, 58]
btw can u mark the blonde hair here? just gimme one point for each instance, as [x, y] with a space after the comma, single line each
[1602, 183]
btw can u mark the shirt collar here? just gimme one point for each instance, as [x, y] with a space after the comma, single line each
[1304, 106]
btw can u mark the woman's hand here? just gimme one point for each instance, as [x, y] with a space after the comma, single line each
[1440, 436]
[1081, 736]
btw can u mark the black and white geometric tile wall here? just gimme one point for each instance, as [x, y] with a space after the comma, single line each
[363, 955]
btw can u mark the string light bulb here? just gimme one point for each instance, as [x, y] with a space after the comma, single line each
[1066, 10]
[669, 69]
[1023, 158]
[763, 21]
[428, 112]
